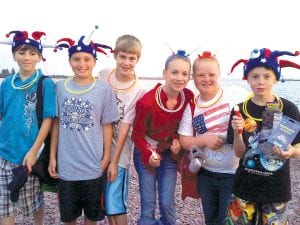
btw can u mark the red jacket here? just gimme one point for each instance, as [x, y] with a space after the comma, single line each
[152, 121]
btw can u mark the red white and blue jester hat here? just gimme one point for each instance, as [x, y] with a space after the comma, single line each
[22, 38]
[85, 44]
[266, 58]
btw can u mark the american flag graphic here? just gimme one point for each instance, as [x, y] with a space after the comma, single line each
[213, 120]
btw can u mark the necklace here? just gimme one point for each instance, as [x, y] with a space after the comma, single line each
[78, 92]
[245, 111]
[121, 89]
[161, 105]
[24, 86]
[217, 98]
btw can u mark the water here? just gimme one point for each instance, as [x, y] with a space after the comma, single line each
[288, 90]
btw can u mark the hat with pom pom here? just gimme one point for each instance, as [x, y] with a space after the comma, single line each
[21, 38]
[266, 58]
[85, 44]
[180, 54]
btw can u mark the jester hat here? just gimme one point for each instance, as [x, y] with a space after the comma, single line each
[22, 38]
[266, 58]
[85, 44]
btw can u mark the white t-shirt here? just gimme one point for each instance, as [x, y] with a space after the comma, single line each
[126, 101]
[214, 120]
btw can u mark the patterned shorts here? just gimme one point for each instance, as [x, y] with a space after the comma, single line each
[241, 212]
[30, 198]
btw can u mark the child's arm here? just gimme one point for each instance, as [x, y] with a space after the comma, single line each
[31, 157]
[53, 149]
[113, 166]
[212, 142]
[239, 147]
[107, 140]
[293, 151]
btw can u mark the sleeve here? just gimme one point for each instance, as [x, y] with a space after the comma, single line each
[50, 100]
[142, 118]
[110, 112]
[185, 125]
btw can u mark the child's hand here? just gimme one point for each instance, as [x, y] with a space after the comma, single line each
[237, 124]
[52, 168]
[214, 142]
[104, 164]
[176, 146]
[286, 154]
[154, 160]
[29, 160]
[112, 172]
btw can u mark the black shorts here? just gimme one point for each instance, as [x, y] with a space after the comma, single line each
[75, 196]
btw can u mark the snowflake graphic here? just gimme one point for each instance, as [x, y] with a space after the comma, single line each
[76, 114]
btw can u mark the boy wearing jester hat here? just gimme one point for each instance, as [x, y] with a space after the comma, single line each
[262, 185]
[82, 134]
[20, 136]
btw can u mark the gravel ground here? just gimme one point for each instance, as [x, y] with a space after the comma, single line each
[189, 212]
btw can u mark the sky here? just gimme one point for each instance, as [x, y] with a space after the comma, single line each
[228, 28]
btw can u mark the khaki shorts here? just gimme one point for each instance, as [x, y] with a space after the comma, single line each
[31, 197]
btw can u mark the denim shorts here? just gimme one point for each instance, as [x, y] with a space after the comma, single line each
[31, 197]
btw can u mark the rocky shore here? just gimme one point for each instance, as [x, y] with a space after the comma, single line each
[189, 212]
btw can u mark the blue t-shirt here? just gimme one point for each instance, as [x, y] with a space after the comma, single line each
[19, 125]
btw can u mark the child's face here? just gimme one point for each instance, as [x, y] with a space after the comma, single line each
[261, 81]
[177, 75]
[206, 73]
[125, 63]
[82, 64]
[27, 60]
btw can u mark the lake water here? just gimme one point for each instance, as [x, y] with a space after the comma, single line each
[287, 89]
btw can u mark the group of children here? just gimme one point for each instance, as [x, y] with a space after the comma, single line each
[96, 123]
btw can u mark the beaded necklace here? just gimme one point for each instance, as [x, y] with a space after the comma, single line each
[24, 86]
[161, 105]
[78, 92]
[121, 89]
[217, 98]
[245, 111]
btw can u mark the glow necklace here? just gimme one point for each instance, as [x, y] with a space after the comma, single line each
[121, 89]
[161, 105]
[245, 111]
[217, 98]
[24, 86]
[78, 92]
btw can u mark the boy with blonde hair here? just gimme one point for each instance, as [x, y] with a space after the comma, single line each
[128, 89]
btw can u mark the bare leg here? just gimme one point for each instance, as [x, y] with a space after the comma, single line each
[120, 219]
[89, 222]
[111, 220]
[8, 220]
[38, 217]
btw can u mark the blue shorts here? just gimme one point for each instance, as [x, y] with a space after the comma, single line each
[116, 194]
[77, 196]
